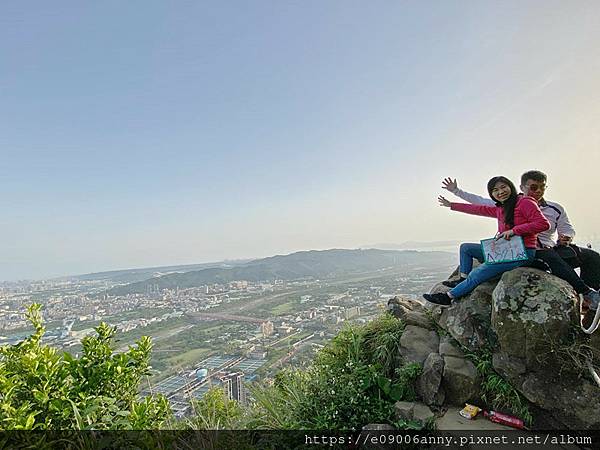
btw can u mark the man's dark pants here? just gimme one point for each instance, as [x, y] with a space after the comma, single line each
[584, 258]
[589, 262]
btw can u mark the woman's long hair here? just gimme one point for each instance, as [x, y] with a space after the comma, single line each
[509, 205]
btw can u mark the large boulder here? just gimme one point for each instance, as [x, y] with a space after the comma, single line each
[575, 403]
[460, 380]
[532, 313]
[429, 383]
[508, 366]
[417, 343]
[468, 320]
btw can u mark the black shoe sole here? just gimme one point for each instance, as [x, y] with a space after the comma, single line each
[438, 304]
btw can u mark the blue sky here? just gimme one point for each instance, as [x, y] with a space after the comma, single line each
[151, 133]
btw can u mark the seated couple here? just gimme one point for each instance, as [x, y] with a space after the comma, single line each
[536, 220]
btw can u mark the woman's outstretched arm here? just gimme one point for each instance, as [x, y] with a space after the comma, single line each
[476, 210]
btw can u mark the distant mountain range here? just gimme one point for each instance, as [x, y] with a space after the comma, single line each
[133, 275]
[308, 264]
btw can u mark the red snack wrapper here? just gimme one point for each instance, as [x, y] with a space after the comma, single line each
[504, 419]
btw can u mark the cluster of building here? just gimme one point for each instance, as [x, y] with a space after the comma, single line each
[315, 313]
[90, 301]
[229, 373]
[69, 305]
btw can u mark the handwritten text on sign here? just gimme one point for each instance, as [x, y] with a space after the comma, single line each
[502, 250]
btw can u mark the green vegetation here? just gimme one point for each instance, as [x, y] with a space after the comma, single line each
[496, 391]
[284, 308]
[42, 389]
[216, 412]
[189, 357]
[355, 380]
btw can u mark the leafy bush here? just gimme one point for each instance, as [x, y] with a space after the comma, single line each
[41, 388]
[215, 411]
[354, 380]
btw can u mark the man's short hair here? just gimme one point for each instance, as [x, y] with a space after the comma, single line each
[534, 175]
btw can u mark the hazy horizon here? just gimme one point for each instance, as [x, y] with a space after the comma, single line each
[425, 248]
[145, 134]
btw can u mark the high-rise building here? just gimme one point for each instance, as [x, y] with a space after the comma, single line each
[266, 328]
[233, 383]
[351, 312]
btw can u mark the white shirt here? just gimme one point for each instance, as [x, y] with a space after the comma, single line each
[555, 213]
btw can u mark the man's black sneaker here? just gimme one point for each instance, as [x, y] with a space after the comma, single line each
[439, 299]
[453, 283]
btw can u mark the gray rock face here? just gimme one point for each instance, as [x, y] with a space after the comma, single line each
[422, 413]
[410, 312]
[468, 319]
[410, 305]
[531, 310]
[404, 410]
[460, 380]
[438, 287]
[447, 348]
[575, 403]
[416, 319]
[430, 381]
[417, 343]
[508, 366]
[413, 411]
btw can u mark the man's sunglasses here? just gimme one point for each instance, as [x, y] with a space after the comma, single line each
[535, 187]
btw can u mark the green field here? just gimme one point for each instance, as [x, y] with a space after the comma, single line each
[188, 358]
[284, 308]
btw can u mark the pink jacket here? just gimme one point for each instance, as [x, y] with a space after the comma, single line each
[529, 220]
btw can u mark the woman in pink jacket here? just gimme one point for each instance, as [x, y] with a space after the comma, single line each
[517, 214]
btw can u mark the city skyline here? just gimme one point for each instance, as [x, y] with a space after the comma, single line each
[147, 134]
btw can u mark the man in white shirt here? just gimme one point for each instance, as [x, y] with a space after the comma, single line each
[560, 254]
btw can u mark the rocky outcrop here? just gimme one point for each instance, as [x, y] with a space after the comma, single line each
[461, 381]
[413, 411]
[411, 313]
[429, 384]
[572, 402]
[532, 314]
[417, 343]
[529, 320]
[469, 320]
